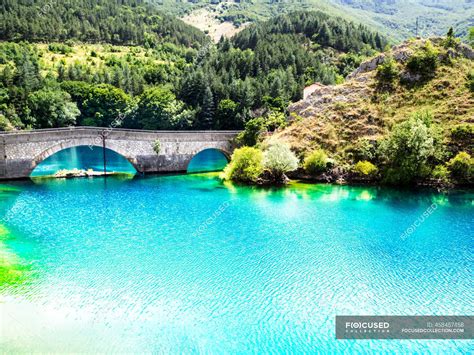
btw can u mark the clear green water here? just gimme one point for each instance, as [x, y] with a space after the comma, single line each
[91, 157]
[83, 157]
[207, 160]
[184, 263]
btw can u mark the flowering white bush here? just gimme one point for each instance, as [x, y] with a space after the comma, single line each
[278, 159]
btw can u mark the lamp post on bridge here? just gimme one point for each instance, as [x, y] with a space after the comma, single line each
[103, 135]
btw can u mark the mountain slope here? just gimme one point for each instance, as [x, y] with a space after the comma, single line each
[396, 18]
[124, 22]
[336, 117]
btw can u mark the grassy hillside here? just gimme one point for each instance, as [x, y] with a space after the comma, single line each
[408, 111]
[337, 116]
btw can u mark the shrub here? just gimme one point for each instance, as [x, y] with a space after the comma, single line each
[5, 124]
[462, 136]
[255, 127]
[316, 162]
[470, 81]
[246, 165]
[365, 168]
[463, 132]
[278, 159]
[461, 167]
[409, 148]
[387, 72]
[441, 173]
[59, 48]
[157, 146]
[450, 41]
[362, 149]
[424, 61]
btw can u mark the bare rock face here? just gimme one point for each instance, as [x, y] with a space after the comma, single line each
[368, 65]
[466, 50]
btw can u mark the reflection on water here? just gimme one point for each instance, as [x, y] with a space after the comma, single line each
[207, 160]
[119, 266]
[83, 157]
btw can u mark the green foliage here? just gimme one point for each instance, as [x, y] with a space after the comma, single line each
[450, 41]
[318, 26]
[52, 108]
[365, 168]
[424, 61]
[5, 124]
[316, 162]
[256, 127]
[262, 69]
[462, 136]
[246, 165]
[349, 62]
[441, 174]
[410, 148]
[157, 146]
[60, 48]
[362, 149]
[228, 115]
[158, 108]
[278, 159]
[104, 105]
[470, 81]
[471, 36]
[129, 22]
[462, 167]
[387, 72]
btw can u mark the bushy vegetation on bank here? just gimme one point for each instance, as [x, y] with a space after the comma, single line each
[414, 151]
[261, 165]
[406, 121]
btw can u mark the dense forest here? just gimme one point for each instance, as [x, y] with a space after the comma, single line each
[126, 22]
[122, 63]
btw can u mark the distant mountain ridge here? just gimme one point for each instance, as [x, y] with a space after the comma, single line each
[399, 19]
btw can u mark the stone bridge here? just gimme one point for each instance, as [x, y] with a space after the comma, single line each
[22, 151]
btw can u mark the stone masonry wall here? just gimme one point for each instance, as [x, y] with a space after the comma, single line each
[23, 151]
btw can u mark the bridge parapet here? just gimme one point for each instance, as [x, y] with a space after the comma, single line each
[22, 151]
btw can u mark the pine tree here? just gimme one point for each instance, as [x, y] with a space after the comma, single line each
[206, 119]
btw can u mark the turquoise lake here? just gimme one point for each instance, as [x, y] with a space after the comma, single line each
[187, 264]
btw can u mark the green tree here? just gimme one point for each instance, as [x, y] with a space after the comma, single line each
[410, 149]
[104, 105]
[450, 41]
[52, 108]
[227, 115]
[158, 108]
[387, 72]
[206, 116]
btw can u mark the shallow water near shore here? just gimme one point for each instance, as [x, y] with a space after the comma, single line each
[187, 263]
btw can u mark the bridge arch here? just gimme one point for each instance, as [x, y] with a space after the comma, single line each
[224, 153]
[22, 151]
[92, 141]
